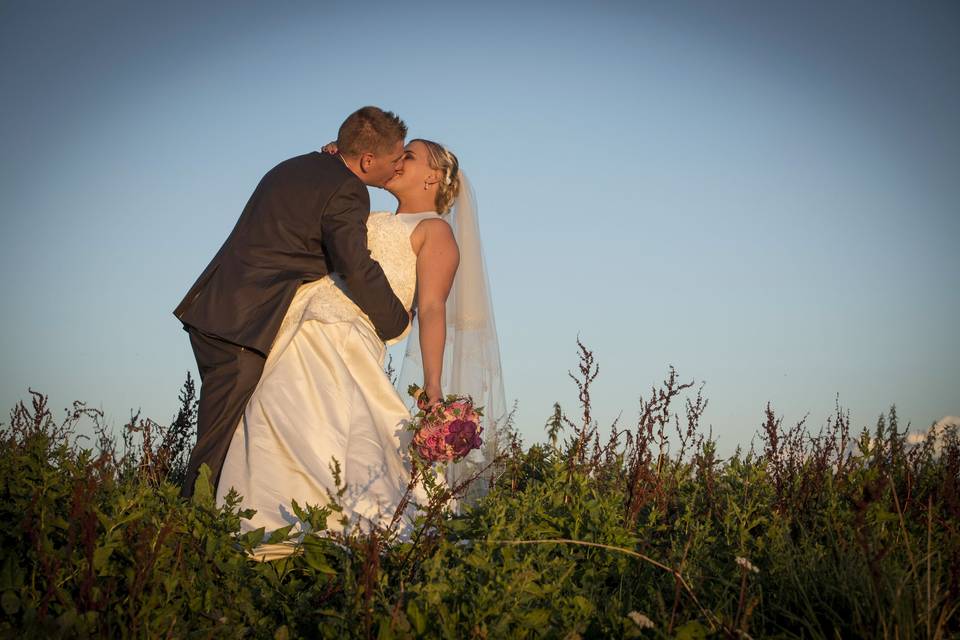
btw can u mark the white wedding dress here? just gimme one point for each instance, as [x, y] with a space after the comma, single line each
[323, 394]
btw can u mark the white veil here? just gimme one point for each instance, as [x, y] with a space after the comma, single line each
[471, 354]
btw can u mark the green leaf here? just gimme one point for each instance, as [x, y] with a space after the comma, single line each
[313, 553]
[66, 620]
[585, 606]
[127, 518]
[384, 632]
[458, 525]
[478, 561]
[252, 538]
[203, 488]
[10, 602]
[298, 511]
[101, 556]
[536, 619]
[280, 535]
[692, 630]
[170, 583]
[416, 617]
[11, 576]
[103, 518]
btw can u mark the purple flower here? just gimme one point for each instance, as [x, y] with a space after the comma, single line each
[461, 436]
[449, 432]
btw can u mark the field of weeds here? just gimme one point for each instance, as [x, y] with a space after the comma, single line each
[647, 532]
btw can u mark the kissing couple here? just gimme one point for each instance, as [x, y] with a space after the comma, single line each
[291, 320]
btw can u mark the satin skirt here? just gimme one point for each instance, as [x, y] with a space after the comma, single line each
[324, 396]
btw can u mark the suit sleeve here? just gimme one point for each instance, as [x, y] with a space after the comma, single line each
[344, 233]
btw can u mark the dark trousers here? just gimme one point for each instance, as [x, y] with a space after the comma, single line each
[228, 375]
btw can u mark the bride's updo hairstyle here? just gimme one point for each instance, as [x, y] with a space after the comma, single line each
[443, 160]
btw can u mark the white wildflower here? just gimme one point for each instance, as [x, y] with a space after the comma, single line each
[746, 564]
[641, 620]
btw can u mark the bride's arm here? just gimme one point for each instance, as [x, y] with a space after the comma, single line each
[437, 261]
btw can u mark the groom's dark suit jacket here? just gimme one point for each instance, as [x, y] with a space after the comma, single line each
[306, 217]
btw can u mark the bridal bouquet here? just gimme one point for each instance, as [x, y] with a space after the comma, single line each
[448, 431]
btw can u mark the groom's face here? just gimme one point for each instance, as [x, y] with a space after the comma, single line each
[379, 168]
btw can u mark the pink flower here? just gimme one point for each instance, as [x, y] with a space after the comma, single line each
[448, 431]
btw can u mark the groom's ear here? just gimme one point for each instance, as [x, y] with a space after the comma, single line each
[366, 161]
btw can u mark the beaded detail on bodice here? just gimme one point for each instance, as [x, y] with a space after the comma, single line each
[388, 238]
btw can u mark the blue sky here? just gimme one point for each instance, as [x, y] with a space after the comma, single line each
[764, 195]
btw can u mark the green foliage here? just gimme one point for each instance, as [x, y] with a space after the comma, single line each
[814, 536]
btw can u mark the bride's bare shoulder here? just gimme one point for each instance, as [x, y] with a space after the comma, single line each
[435, 231]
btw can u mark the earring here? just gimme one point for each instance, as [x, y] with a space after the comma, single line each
[425, 185]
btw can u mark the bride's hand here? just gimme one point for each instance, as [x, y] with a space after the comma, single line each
[330, 147]
[432, 394]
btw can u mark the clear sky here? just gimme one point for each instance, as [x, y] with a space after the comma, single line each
[763, 194]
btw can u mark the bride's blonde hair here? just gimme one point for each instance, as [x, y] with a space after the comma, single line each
[443, 160]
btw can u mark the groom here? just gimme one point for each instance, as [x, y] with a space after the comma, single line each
[307, 217]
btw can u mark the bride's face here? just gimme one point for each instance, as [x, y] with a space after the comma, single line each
[413, 172]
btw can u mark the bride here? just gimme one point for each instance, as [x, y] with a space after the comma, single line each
[324, 394]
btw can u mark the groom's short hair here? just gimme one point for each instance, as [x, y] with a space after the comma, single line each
[370, 129]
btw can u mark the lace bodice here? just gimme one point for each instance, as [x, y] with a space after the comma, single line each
[328, 299]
